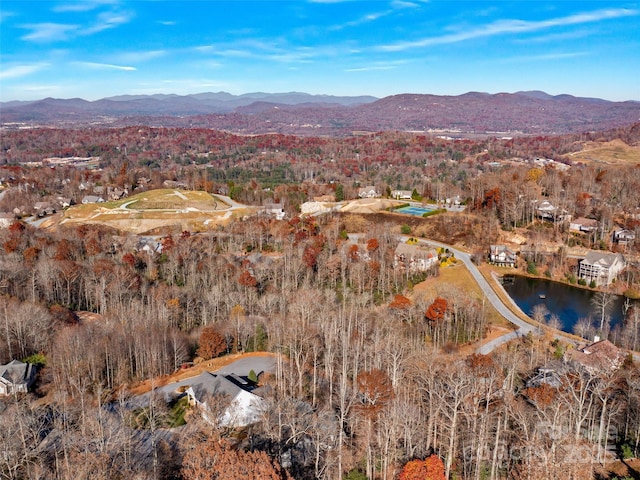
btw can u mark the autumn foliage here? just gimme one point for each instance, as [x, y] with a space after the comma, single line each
[247, 280]
[212, 459]
[211, 343]
[431, 468]
[436, 310]
[375, 390]
[400, 302]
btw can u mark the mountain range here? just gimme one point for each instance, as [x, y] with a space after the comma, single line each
[530, 112]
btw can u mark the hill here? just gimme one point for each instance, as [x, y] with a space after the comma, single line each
[522, 113]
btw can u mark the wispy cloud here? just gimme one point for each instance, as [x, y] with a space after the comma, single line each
[83, 6]
[108, 20]
[5, 15]
[557, 37]
[104, 66]
[368, 18]
[405, 4]
[377, 66]
[141, 56]
[18, 71]
[49, 32]
[504, 27]
[545, 57]
[371, 68]
[167, 23]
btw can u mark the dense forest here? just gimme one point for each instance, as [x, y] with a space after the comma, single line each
[374, 380]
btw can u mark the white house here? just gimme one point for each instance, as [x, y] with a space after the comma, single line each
[224, 399]
[583, 225]
[274, 209]
[368, 192]
[547, 211]
[6, 219]
[624, 236]
[501, 255]
[415, 258]
[601, 267]
[16, 377]
[242, 406]
[401, 194]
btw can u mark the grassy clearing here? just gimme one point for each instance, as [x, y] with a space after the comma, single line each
[457, 277]
[155, 209]
[615, 152]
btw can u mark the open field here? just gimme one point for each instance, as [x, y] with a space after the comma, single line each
[615, 152]
[458, 277]
[155, 210]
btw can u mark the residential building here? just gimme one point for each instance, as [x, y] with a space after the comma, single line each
[583, 225]
[16, 377]
[602, 356]
[43, 208]
[401, 194]
[274, 209]
[92, 199]
[224, 399]
[6, 219]
[547, 211]
[600, 267]
[502, 256]
[415, 258]
[368, 192]
[624, 236]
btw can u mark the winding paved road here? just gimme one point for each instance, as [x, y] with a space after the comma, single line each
[523, 327]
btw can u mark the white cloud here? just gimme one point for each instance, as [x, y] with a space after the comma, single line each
[368, 18]
[372, 68]
[18, 71]
[49, 32]
[137, 57]
[105, 66]
[84, 6]
[544, 57]
[503, 27]
[404, 4]
[107, 20]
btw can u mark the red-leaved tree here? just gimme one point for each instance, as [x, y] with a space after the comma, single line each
[436, 310]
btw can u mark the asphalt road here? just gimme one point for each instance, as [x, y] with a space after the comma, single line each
[523, 327]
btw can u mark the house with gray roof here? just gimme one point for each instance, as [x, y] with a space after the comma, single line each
[502, 256]
[415, 258]
[92, 199]
[401, 194]
[601, 267]
[16, 377]
[242, 406]
[368, 192]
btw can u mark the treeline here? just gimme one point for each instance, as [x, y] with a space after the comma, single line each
[364, 386]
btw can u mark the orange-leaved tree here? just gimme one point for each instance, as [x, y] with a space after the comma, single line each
[211, 343]
[400, 302]
[431, 468]
[436, 310]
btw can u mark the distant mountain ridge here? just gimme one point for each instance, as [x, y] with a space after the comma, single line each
[526, 112]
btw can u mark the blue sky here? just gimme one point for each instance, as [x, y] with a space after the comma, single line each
[94, 49]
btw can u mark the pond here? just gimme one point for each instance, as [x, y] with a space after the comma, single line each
[569, 303]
